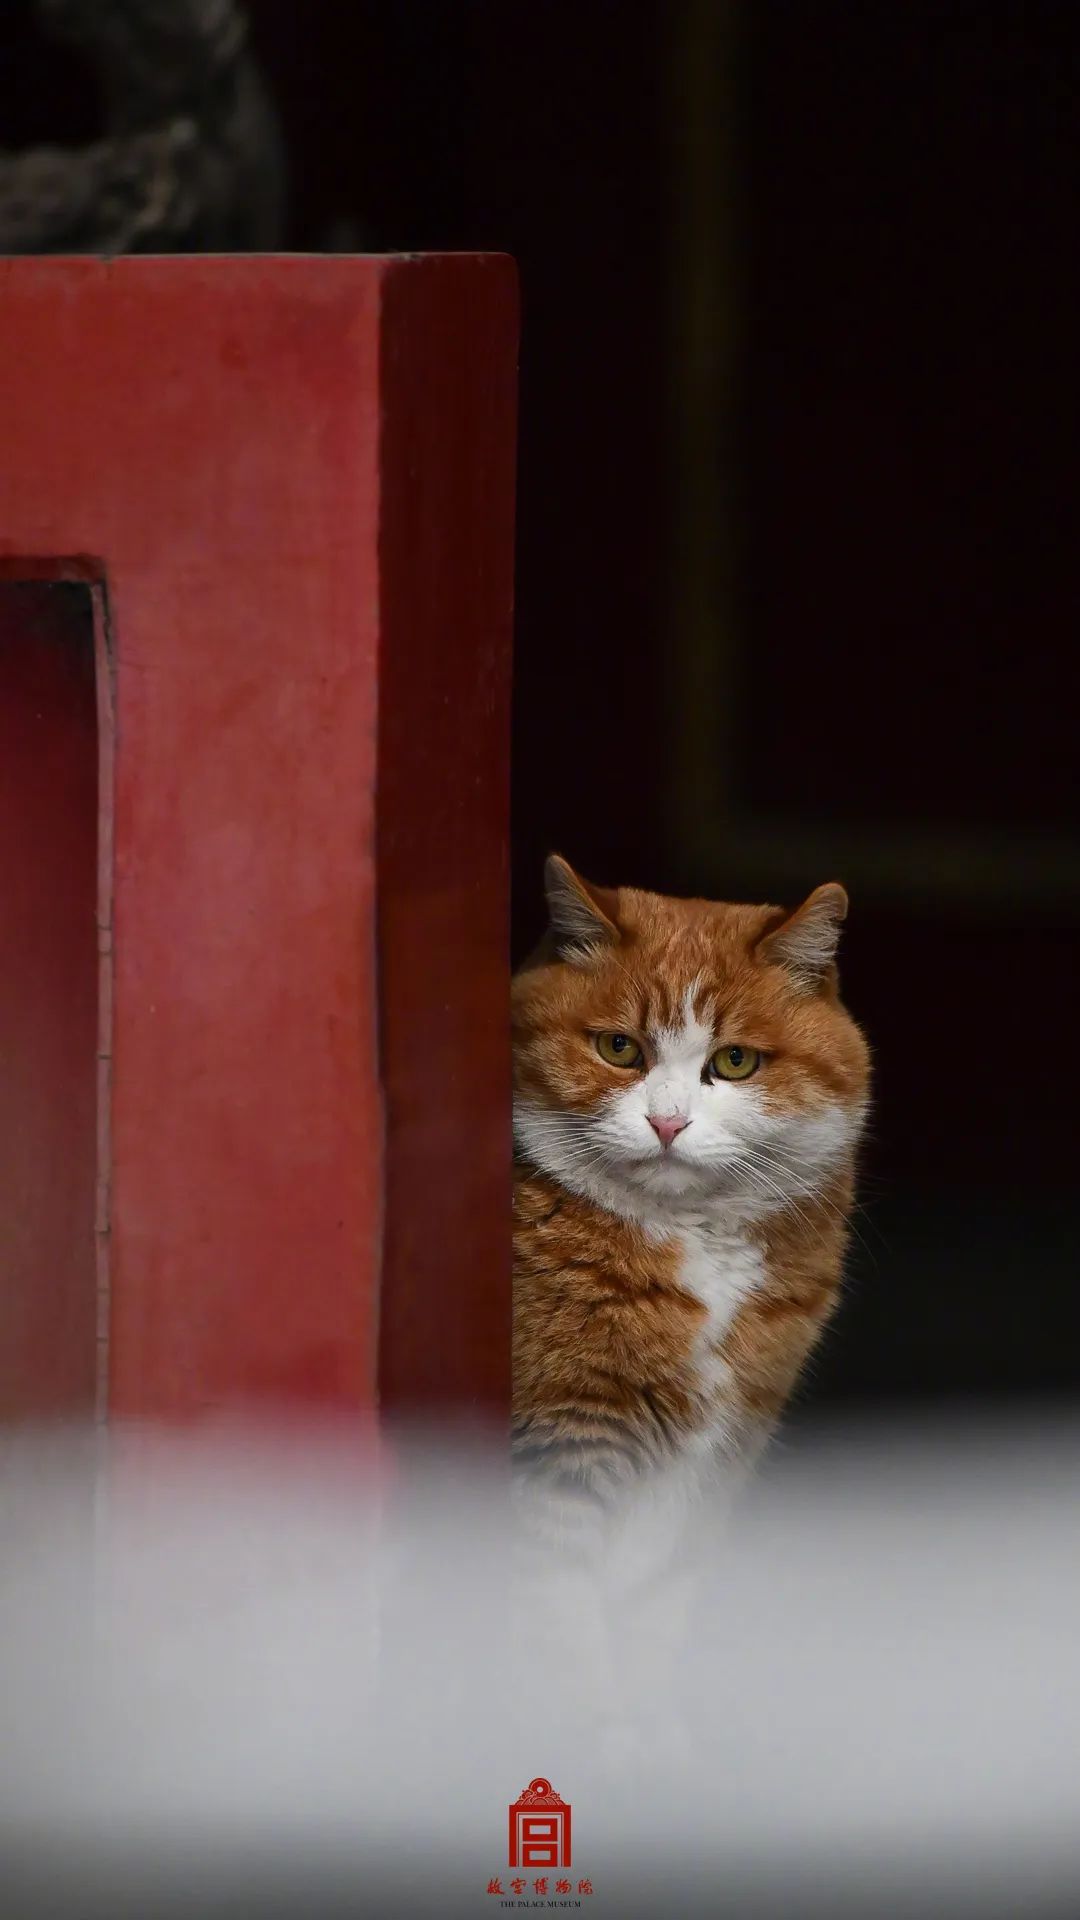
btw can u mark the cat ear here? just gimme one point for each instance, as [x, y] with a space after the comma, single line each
[578, 920]
[806, 941]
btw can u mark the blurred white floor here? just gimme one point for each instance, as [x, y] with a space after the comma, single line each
[263, 1673]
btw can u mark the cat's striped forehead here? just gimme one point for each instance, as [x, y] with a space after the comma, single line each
[660, 1002]
[679, 964]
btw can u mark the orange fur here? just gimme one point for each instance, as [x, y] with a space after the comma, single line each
[603, 1333]
[608, 1374]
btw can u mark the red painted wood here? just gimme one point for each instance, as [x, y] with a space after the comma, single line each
[48, 970]
[230, 444]
[443, 844]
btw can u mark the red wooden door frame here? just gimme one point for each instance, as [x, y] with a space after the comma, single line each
[291, 482]
[49, 1002]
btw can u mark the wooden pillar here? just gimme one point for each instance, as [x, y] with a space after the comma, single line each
[48, 1002]
[288, 482]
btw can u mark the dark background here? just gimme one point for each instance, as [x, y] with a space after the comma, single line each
[798, 561]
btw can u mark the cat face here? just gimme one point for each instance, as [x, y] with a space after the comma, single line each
[674, 1052]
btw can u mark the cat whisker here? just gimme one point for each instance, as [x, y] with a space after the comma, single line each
[788, 1202]
[777, 1158]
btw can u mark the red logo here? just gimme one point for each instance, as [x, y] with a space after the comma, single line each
[540, 1827]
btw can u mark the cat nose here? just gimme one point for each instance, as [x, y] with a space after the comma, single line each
[667, 1128]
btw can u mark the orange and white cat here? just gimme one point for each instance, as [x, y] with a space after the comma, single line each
[689, 1094]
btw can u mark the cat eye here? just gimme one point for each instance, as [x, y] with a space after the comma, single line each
[618, 1049]
[734, 1063]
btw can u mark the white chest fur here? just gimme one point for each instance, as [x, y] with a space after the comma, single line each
[719, 1266]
